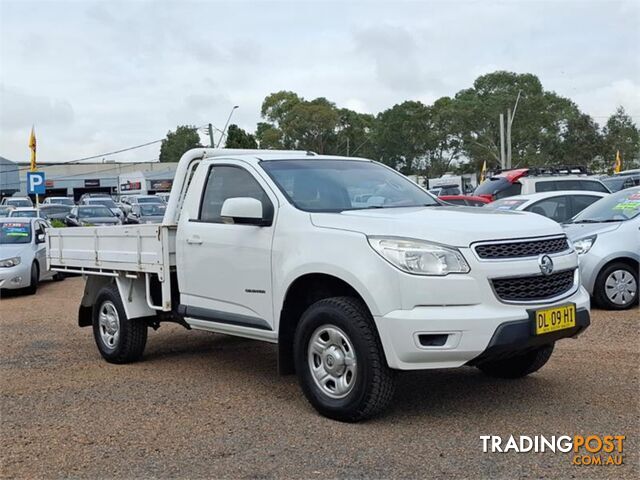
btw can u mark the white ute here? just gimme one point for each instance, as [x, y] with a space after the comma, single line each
[353, 270]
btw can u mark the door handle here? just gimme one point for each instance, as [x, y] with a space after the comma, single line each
[195, 240]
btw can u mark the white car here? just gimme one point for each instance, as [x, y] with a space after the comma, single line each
[68, 201]
[524, 181]
[560, 206]
[350, 268]
[17, 202]
[22, 254]
[24, 212]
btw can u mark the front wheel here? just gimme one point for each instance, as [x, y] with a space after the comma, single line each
[34, 279]
[519, 365]
[340, 362]
[616, 287]
[119, 339]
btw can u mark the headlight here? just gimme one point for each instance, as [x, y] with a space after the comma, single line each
[583, 245]
[10, 262]
[419, 257]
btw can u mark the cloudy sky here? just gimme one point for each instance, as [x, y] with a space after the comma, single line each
[99, 76]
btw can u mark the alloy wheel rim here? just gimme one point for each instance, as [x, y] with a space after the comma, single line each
[109, 325]
[332, 361]
[620, 287]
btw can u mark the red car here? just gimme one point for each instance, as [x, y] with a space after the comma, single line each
[468, 200]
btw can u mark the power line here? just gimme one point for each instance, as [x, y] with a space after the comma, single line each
[78, 160]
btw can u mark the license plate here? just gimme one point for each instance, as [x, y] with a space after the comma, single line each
[555, 318]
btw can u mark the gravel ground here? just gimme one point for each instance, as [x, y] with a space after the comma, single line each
[203, 405]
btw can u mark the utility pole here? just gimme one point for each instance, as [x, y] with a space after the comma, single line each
[347, 146]
[210, 130]
[503, 164]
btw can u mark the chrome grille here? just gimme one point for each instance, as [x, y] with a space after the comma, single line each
[538, 287]
[527, 248]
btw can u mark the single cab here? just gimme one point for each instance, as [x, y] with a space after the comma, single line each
[353, 270]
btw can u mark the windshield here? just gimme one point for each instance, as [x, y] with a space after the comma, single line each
[61, 201]
[15, 233]
[617, 207]
[339, 185]
[152, 209]
[505, 204]
[24, 214]
[107, 202]
[19, 202]
[93, 212]
[148, 200]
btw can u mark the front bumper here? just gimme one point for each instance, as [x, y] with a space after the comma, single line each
[15, 277]
[465, 334]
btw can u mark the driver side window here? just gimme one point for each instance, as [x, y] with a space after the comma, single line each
[227, 181]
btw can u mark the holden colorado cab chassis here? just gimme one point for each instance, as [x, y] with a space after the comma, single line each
[353, 270]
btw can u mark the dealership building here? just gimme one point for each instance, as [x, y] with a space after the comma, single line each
[75, 179]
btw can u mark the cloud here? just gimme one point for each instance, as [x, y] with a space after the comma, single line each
[98, 76]
[19, 110]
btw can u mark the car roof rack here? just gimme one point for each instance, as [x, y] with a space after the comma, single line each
[549, 170]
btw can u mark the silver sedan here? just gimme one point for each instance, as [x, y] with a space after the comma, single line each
[606, 236]
[23, 254]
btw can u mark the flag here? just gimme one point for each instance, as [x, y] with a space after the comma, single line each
[617, 167]
[483, 172]
[32, 146]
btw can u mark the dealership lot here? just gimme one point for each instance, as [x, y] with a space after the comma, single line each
[205, 405]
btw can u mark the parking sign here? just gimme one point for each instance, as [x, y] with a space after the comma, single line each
[35, 183]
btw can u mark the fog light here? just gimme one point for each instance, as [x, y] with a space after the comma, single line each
[16, 280]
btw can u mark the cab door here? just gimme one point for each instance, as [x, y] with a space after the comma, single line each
[224, 268]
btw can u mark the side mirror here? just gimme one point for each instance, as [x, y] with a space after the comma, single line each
[243, 211]
[40, 238]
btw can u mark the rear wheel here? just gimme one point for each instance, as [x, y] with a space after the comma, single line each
[520, 365]
[340, 362]
[616, 287]
[119, 339]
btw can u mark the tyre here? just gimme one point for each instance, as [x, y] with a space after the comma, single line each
[34, 279]
[119, 339]
[340, 362]
[520, 365]
[616, 287]
[58, 277]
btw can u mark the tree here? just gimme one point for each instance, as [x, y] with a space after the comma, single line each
[400, 135]
[238, 138]
[621, 134]
[176, 143]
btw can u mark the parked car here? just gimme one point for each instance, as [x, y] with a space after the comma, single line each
[274, 246]
[105, 202]
[23, 262]
[5, 210]
[164, 196]
[559, 206]
[91, 215]
[468, 200]
[619, 182]
[58, 201]
[85, 196]
[128, 201]
[523, 181]
[55, 211]
[24, 212]
[146, 213]
[17, 202]
[606, 236]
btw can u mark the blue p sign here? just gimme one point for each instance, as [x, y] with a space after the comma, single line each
[35, 183]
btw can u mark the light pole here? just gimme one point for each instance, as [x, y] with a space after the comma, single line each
[509, 122]
[226, 125]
